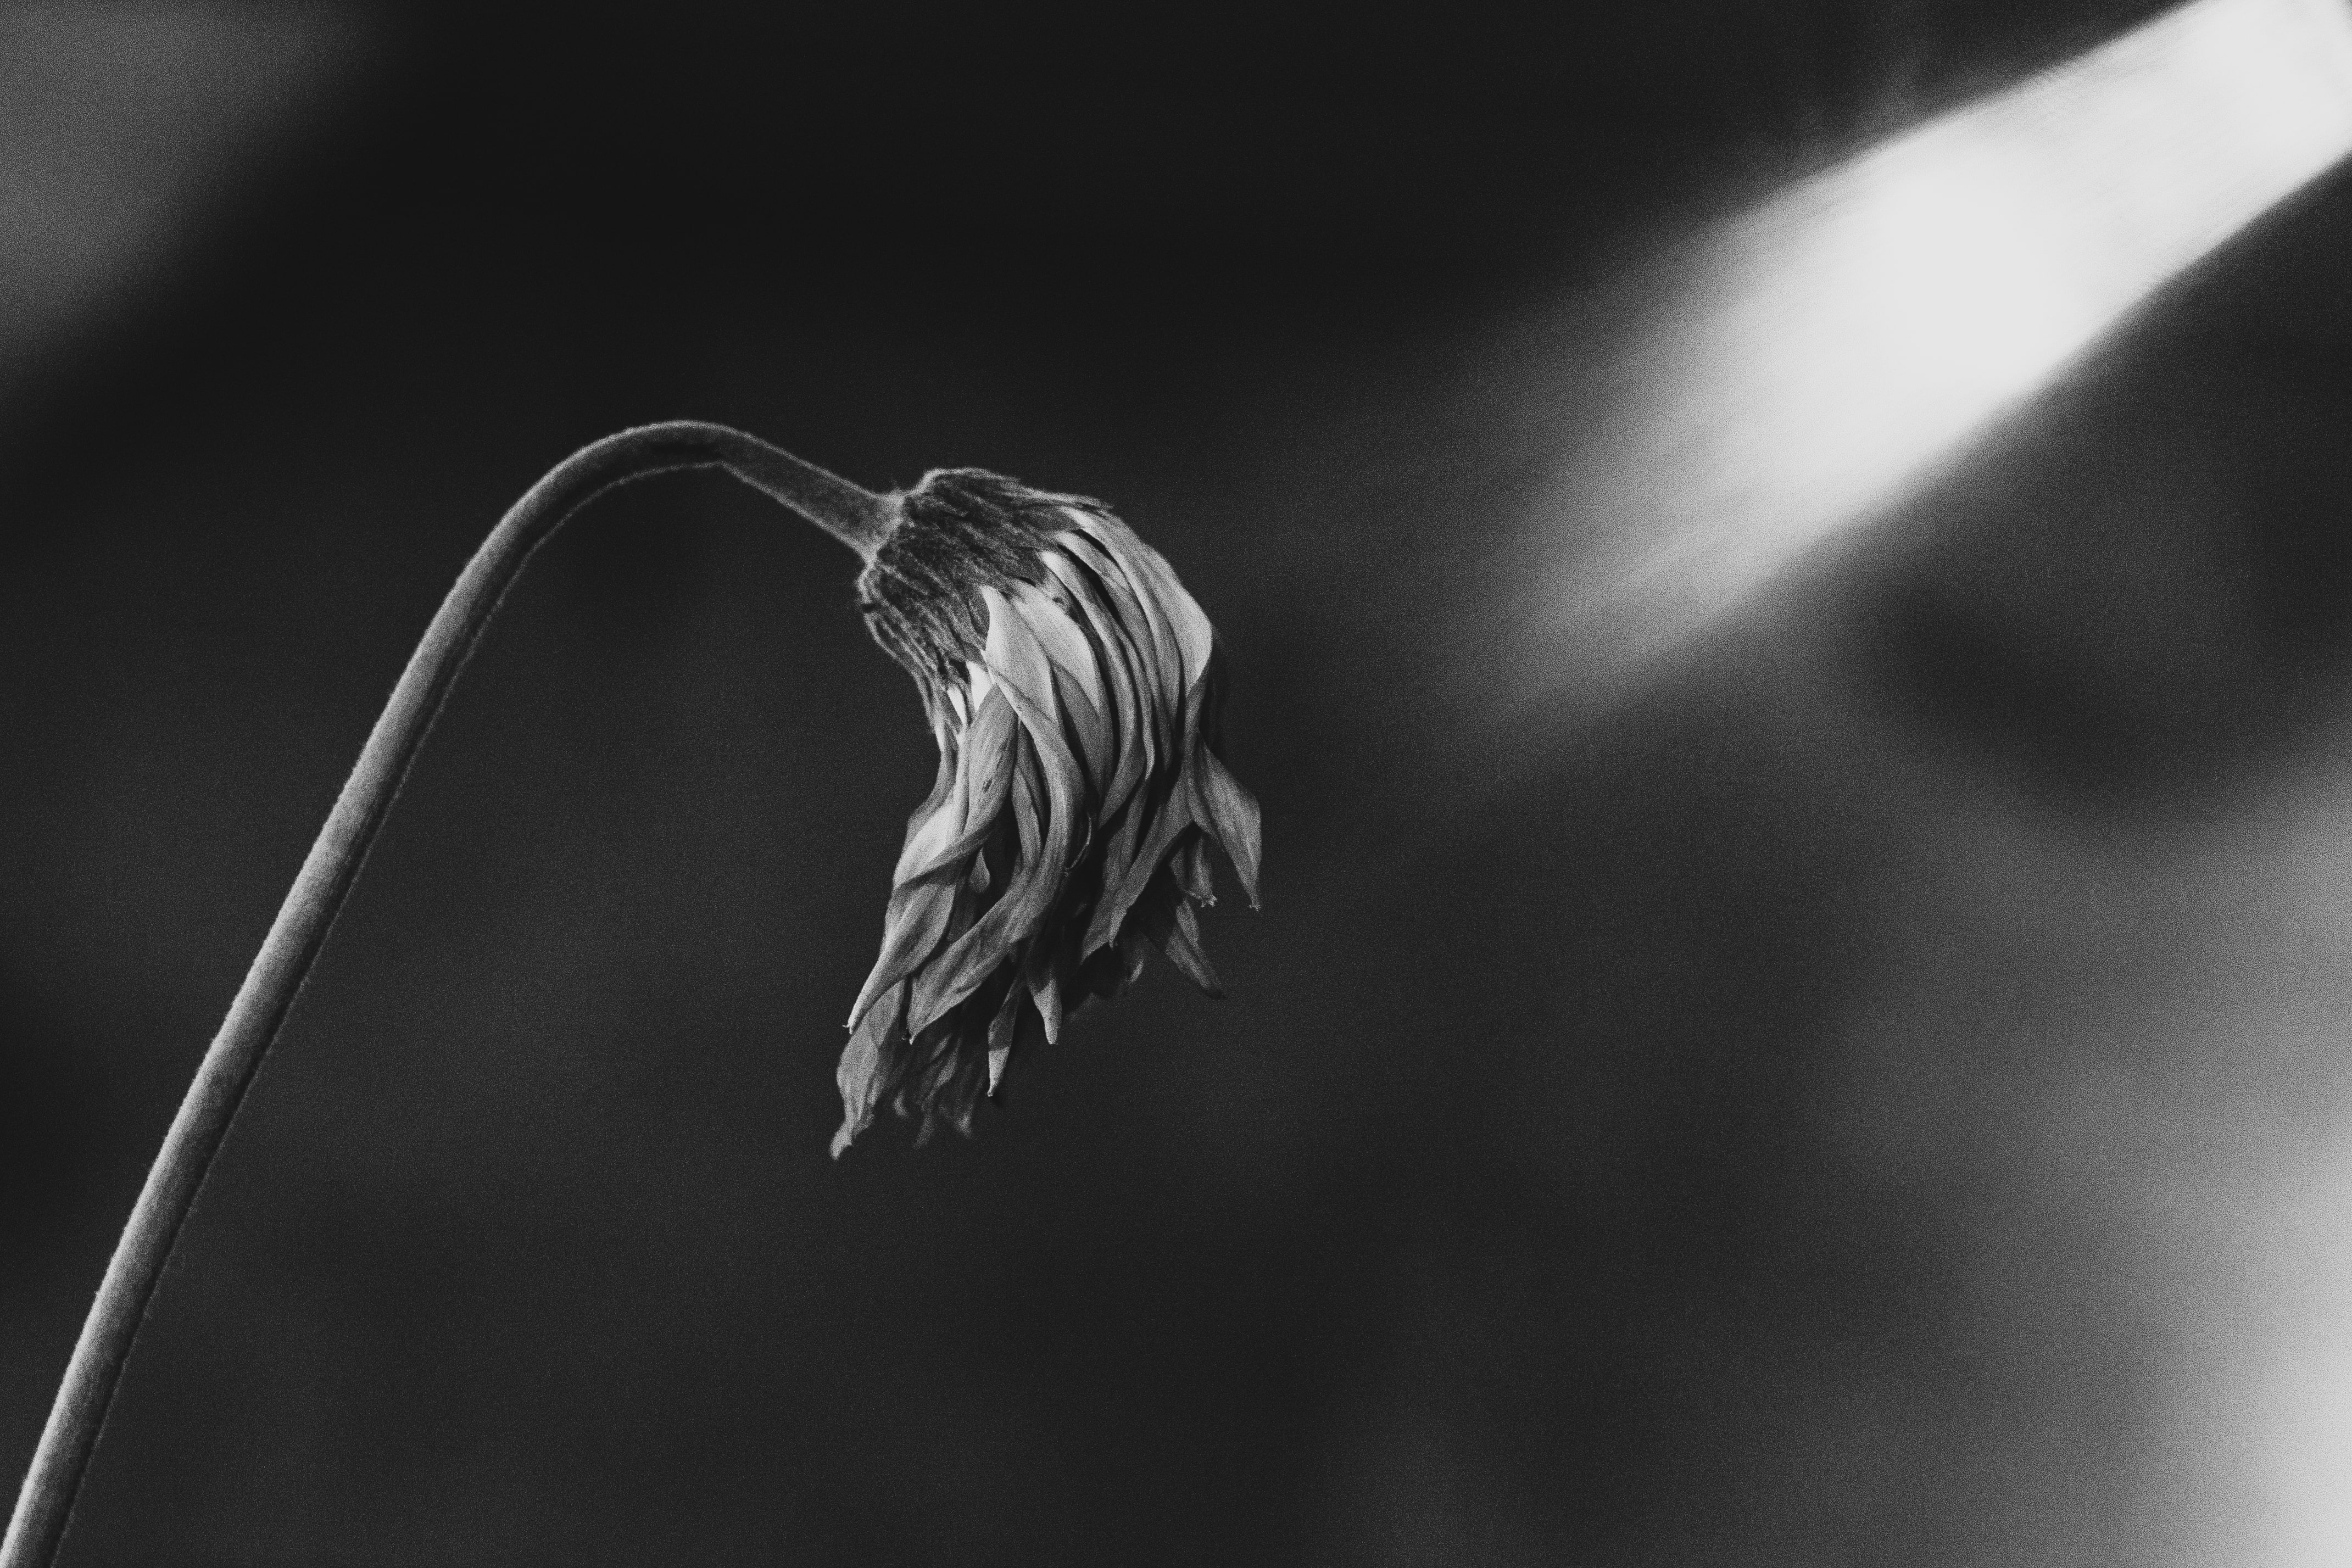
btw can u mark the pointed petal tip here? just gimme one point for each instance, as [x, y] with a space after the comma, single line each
[1232, 815]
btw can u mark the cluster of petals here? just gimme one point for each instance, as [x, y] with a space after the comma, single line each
[1072, 686]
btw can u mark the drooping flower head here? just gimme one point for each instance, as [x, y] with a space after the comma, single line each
[1072, 686]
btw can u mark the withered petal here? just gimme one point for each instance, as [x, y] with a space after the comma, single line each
[1028, 813]
[1230, 812]
[1129, 726]
[1161, 661]
[960, 828]
[1029, 896]
[1008, 1018]
[1117, 859]
[1179, 938]
[1173, 818]
[1135, 949]
[1156, 580]
[1192, 863]
[1016, 658]
[1065, 784]
[1041, 974]
[1067, 646]
[1071, 682]
[1182, 631]
[912, 929]
[863, 1072]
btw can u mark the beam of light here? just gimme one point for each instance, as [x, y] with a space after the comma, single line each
[1830, 346]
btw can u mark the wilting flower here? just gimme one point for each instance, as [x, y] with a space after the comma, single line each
[1072, 686]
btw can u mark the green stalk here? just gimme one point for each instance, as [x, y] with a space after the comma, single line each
[857, 517]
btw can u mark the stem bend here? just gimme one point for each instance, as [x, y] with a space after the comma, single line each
[857, 517]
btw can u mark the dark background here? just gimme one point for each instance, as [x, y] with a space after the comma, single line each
[1875, 1096]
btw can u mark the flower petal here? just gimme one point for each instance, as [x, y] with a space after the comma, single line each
[982, 779]
[1131, 729]
[1174, 816]
[1000, 1027]
[912, 928]
[1156, 583]
[1117, 858]
[1050, 751]
[1041, 974]
[1014, 656]
[1229, 811]
[1035, 883]
[1160, 661]
[1178, 932]
[1135, 948]
[861, 1073]
[1063, 638]
[1070, 655]
[1191, 862]
[935, 815]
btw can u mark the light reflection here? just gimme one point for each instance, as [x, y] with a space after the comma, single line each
[1835, 344]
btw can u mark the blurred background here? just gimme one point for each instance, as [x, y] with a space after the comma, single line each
[1863, 1083]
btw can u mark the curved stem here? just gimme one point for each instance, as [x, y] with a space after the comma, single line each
[855, 517]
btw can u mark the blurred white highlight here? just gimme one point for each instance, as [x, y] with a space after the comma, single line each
[1835, 344]
[127, 133]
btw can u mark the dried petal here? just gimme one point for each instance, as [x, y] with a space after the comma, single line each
[1131, 735]
[911, 930]
[1192, 863]
[1183, 950]
[1155, 583]
[1072, 685]
[1230, 812]
[1172, 820]
[1159, 662]
[951, 835]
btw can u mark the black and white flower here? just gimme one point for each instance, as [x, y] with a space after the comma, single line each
[1073, 686]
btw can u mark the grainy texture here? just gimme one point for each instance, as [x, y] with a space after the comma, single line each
[45, 1503]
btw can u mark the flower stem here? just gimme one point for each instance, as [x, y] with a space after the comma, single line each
[855, 517]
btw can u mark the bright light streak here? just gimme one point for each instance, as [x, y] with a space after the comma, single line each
[1838, 342]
